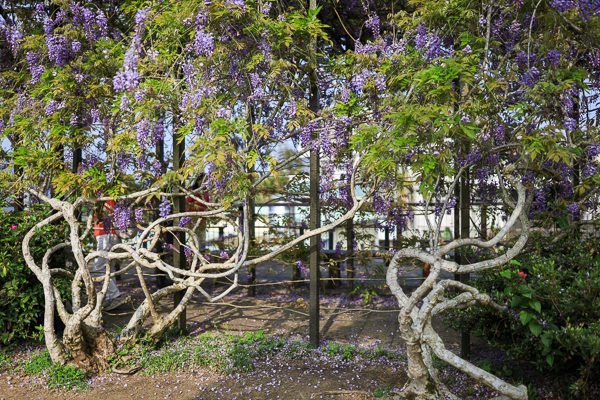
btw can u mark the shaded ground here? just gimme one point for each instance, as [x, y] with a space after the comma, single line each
[280, 313]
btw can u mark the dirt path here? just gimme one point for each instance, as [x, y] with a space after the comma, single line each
[279, 313]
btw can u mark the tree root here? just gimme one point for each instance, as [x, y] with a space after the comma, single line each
[129, 371]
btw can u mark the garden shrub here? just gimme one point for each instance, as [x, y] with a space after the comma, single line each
[553, 295]
[21, 298]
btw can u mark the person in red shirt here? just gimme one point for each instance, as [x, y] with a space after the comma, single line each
[107, 239]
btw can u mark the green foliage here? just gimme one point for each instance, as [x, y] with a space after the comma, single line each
[334, 349]
[4, 358]
[21, 297]
[235, 354]
[57, 376]
[38, 363]
[383, 391]
[553, 295]
[66, 377]
[225, 354]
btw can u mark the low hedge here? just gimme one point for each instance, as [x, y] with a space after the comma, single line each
[553, 295]
[21, 294]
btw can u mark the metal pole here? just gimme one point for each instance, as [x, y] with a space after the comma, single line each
[457, 226]
[19, 203]
[179, 260]
[77, 160]
[484, 221]
[350, 255]
[465, 221]
[297, 276]
[252, 233]
[386, 239]
[160, 156]
[315, 213]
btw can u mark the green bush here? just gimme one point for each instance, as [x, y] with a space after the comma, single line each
[553, 295]
[21, 294]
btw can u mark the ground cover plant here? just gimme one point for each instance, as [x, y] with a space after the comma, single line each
[453, 101]
[553, 308]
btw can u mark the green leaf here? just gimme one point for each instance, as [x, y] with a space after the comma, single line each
[515, 302]
[563, 222]
[515, 262]
[546, 339]
[524, 289]
[550, 359]
[535, 305]
[525, 317]
[546, 351]
[535, 327]
[506, 274]
[508, 291]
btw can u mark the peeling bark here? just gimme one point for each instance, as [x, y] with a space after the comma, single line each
[415, 322]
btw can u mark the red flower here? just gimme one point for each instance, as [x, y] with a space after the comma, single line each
[523, 275]
[13, 226]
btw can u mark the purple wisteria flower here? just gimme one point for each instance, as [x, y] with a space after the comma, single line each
[156, 166]
[164, 208]
[183, 221]
[203, 43]
[122, 215]
[573, 209]
[300, 265]
[139, 215]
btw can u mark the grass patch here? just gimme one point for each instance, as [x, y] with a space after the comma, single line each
[56, 376]
[37, 364]
[383, 391]
[66, 377]
[238, 354]
[225, 354]
[5, 358]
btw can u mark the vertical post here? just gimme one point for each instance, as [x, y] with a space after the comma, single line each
[330, 239]
[576, 164]
[297, 268]
[465, 222]
[386, 245]
[19, 205]
[386, 239]
[251, 217]
[179, 260]
[160, 156]
[315, 213]
[252, 233]
[484, 221]
[77, 160]
[350, 255]
[457, 226]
